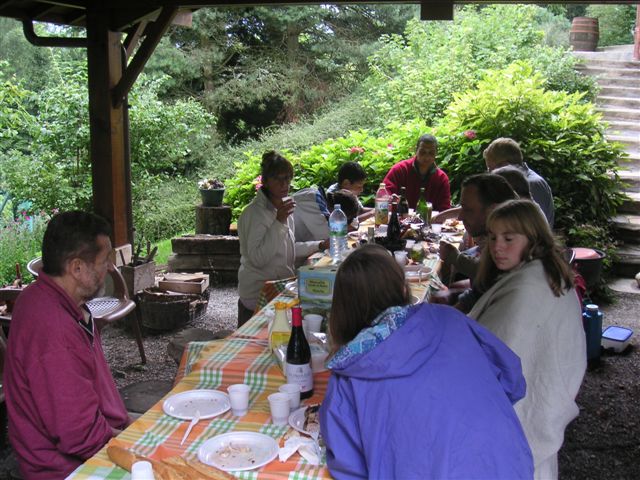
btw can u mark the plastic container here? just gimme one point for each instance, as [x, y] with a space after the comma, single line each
[337, 233]
[617, 338]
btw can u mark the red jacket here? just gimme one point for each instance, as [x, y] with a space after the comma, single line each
[404, 174]
[61, 398]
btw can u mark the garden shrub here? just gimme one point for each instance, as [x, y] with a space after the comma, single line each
[615, 23]
[561, 138]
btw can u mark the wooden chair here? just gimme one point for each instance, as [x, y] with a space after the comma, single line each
[108, 308]
[3, 406]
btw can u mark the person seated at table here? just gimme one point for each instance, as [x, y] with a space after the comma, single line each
[421, 171]
[312, 211]
[415, 391]
[506, 151]
[529, 303]
[62, 402]
[479, 196]
[352, 177]
[266, 230]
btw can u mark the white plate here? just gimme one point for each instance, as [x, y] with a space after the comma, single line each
[296, 421]
[235, 451]
[416, 273]
[208, 402]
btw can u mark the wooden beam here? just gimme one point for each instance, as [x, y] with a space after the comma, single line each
[110, 175]
[133, 37]
[436, 10]
[154, 34]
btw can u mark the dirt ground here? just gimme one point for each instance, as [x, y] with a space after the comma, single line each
[603, 442]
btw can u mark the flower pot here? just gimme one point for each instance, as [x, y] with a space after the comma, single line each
[212, 198]
[589, 263]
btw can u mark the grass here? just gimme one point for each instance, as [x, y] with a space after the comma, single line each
[164, 250]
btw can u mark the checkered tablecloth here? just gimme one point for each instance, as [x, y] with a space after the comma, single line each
[241, 358]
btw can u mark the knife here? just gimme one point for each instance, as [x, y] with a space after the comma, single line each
[195, 420]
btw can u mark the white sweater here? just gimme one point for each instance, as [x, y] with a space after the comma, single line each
[546, 332]
[267, 248]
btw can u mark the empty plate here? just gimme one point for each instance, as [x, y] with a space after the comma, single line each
[208, 402]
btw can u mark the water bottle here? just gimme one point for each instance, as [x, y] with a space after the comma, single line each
[592, 322]
[337, 233]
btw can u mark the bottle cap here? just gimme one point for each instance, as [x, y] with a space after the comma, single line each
[591, 307]
[280, 306]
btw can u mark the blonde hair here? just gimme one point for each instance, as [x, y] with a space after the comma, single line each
[504, 150]
[524, 217]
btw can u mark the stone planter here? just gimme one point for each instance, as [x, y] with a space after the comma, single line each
[212, 197]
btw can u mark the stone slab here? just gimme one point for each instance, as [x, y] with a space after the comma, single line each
[624, 285]
[204, 244]
[140, 397]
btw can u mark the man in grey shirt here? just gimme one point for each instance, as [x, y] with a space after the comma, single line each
[506, 151]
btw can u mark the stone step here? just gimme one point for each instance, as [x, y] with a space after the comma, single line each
[627, 228]
[606, 60]
[627, 261]
[624, 285]
[620, 91]
[631, 139]
[629, 126]
[629, 103]
[631, 204]
[619, 113]
[608, 72]
[631, 179]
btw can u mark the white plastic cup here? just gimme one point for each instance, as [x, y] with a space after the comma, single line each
[280, 408]
[293, 392]
[436, 228]
[312, 322]
[239, 398]
[142, 470]
[401, 257]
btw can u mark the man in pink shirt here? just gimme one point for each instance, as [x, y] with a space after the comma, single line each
[421, 171]
[62, 402]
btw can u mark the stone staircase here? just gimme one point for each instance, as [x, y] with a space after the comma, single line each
[619, 101]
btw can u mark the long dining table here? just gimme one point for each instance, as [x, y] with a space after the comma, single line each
[243, 357]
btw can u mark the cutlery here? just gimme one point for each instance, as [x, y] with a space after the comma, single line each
[195, 420]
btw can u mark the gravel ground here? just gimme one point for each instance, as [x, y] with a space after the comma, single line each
[601, 443]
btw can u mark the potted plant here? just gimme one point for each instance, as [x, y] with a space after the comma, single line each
[211, 192]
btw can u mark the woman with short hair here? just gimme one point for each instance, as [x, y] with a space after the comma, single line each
[415, 391]
[530, 304]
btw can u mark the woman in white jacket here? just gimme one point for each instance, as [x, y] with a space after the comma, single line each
[268, 250]
[529, 303]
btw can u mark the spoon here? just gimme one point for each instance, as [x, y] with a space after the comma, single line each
[195, 420]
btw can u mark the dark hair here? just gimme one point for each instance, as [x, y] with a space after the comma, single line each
[71, 235]
[524, 217]
[347, 200]
[427, 138]
[492, 189]
[274, 164]
[368, 282]
[504, 150]
[515, 177]
[351, 171]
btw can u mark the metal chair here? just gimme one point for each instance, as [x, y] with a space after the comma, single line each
[108, 308]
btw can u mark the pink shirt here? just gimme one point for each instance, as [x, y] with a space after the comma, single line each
[61, 398]
[404, 174]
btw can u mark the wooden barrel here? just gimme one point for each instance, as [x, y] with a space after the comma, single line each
[584, 34]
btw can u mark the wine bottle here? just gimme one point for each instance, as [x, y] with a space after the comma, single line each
[298, 367]
[393, 229]
[403, 204]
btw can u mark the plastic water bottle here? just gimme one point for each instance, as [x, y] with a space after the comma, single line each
[337, 233]
[592, 322]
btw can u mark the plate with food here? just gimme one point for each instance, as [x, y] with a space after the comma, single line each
[453, 225]
[237, 451]
[306, 420]
[417, 273]
[184, 406]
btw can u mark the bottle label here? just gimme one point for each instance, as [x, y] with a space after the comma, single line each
[382, 212]
[339, 230]
[278, 338]
[300, 374]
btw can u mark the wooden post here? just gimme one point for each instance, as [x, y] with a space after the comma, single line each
[636, 36]
[110, 173]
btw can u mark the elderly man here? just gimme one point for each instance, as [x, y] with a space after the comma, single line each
[421, 171]
[506, 151]
[479, 196]
[62, 402]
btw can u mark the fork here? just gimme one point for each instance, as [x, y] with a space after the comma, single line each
[194, 420]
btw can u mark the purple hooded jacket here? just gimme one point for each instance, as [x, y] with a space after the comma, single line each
[425, 393]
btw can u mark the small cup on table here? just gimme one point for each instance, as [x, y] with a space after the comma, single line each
[312, 323]
[293, 392]
[239, 398]
[280, 408]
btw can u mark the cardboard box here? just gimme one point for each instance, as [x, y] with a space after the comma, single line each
[185, 282]
[315, 287]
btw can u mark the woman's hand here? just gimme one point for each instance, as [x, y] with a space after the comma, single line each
[286, 208]
[323, 245]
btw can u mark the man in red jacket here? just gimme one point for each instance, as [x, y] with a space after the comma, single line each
[62, 402]
[421, 171]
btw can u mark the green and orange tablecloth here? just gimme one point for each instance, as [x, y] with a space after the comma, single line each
[241, 358]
